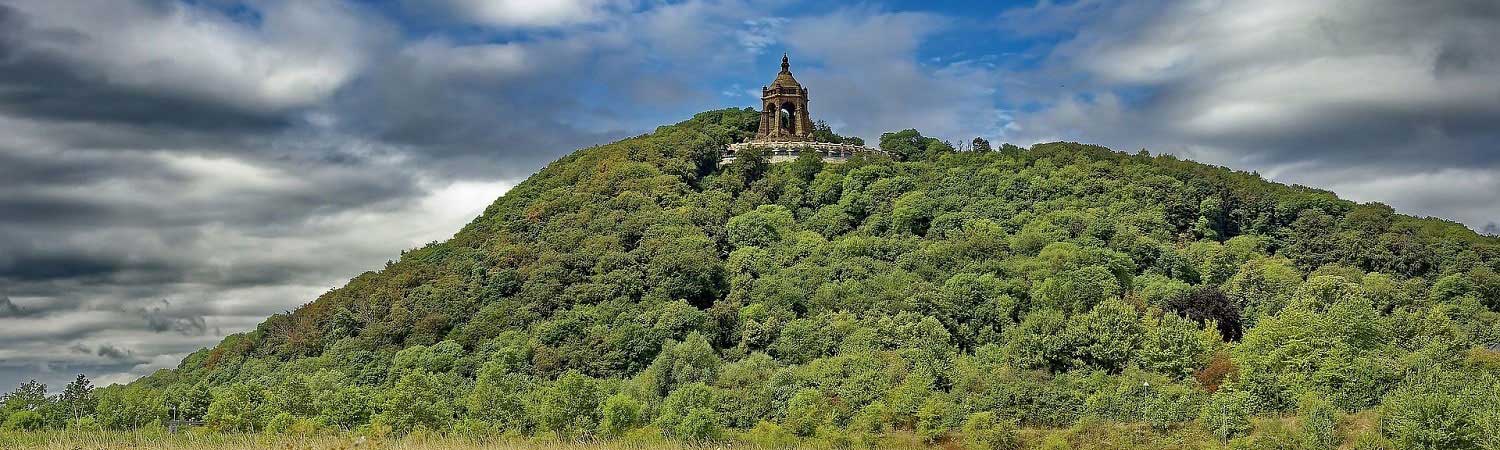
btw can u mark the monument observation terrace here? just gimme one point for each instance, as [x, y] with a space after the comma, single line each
[786, 128]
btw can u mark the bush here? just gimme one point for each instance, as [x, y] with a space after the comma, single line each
[25, 421]
[620, 414]
[700, 425]
[769, 435]
[984, 431]
[806, 411]
[1226, 415]
[1319, 422]
[571, 405]
[935, 417]
[1428, 420]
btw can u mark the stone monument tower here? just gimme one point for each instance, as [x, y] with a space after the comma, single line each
[786, 129]
[783, 114]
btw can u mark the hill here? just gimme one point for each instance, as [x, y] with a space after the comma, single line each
[639, 286]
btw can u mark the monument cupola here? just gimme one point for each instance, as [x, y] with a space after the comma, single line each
[783, 115]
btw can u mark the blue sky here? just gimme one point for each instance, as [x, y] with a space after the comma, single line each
[173, 171]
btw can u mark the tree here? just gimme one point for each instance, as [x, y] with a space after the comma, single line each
[78, 398]
[807, 411]
[1173, 346]
[619, 414]
[419, 399]
[910, 145]
[237, 407]
[29, 396]
[691, 361]
[1226, 415]
[1209, 305]
[570, 406]
[689, 413]
[499, 397]
[1042, 342]
[766, 225]
[982, 145]
[1108, 336]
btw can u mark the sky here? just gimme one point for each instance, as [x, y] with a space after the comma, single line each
[173, 171]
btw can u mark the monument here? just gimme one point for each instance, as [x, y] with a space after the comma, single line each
[786, 126]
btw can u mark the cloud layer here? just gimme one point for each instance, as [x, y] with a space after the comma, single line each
[176, 171]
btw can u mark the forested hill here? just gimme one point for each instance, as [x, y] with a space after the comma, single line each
[638, 286]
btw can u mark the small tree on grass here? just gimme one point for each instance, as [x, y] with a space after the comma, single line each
[1226, 416]
[1319, 422]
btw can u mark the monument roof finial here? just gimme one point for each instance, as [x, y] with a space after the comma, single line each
[785, 66]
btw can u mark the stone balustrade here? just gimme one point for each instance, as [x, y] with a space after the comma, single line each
[788, 150]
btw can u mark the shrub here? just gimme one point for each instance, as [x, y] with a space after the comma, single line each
[769, 435]
[1319, 422]
[1226, 415]
[935, 417]
[619, 414]
[700, 425]
[984, 431]
[806, 411]
[1428, 420]
[25, 421]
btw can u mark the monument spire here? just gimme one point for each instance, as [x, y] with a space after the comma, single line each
[785, 66]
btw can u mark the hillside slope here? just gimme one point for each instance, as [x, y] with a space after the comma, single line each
[636, 284]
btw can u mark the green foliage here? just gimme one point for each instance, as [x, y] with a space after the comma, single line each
[690, 413]
[570, 406]
[419, 399]
[643, 282]
[984, 431]
[1319, 422]
[619, 414]
[1226, 415]
[806, 411]
[499, 397]
[1108, 336]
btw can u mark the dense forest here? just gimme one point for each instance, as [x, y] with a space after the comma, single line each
[957, 296]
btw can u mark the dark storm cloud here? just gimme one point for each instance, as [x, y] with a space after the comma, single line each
[1386, 101]
[160, 319]
[9, 308]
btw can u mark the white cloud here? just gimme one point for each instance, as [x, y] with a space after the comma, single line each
[864, 77]
[298, 54]
[529, 13]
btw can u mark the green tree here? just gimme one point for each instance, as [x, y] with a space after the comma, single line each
[499, 397]
[807, 411]
[1319, 422]
[766, 225]
[619, 414]
[570, 406]
[78, 398]
[1108, 336]
[419, 399]
[1226, 415]
[691, 361]
[1173, 346]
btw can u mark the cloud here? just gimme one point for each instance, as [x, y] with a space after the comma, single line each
[170, 64]
[1301, 91]
[865, 68]
[524, 13]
